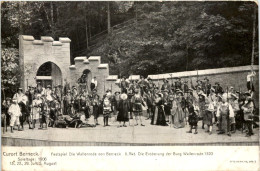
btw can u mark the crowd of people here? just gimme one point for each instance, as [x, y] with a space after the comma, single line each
[174, 104]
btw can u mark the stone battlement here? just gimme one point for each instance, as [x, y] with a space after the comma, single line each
[49, 39]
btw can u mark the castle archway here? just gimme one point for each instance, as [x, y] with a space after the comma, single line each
[49, 74]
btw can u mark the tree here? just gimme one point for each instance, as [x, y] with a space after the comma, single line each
[10, 70]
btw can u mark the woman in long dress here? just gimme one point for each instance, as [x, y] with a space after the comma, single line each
[179, 115]
[37, 103]
[123, 109]
[158, 117]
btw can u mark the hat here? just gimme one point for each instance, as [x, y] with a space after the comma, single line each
[202, 94]
[199, 87]
[108, 90]
[179, 92]
[247, 93]
[165, 79]
[219, 96]
[48, 86]
[212, 89]
[160, 94]
[231, 87]
[38, 95]
[238, 92]
[165, 90]
[20, 89]
[234, 95]
[117, 92]
[73, 87]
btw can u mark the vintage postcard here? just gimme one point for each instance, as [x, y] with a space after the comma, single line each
[129, 85]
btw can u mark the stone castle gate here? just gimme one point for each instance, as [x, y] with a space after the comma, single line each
[48, 61]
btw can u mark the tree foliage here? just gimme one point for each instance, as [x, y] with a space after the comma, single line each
[178, 36]
[166, 37]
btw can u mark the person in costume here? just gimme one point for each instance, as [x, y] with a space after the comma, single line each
[95, 104]
[207, 86]
[202, 107]
[248, 109]
[94, 83]
[85, 105]
[37, 104]
[209, 112]
[130, 94]
[171, 104]
[23, 102]
[143, 85]
[249, 84]
[150, 85]
[68, 103]
[115, 101]
[159, 114]
[193, 117]
[48, 94]
[148, 98]
[4, 115]
[15, 112]
[235, 105]
[166, 104]
[137, 102]
[124, 85]
[224, 113]
[123, 109]
[178, 84]
[107, 109]
[179, 116]
[39, 88]
[165, 85]
[44, 113]
[218, 89]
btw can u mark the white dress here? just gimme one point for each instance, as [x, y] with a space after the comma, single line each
[36, 109]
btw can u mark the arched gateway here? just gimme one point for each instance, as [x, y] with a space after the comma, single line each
[49, 74]
[48, 61]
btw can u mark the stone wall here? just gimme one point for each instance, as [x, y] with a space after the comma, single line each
[231, 76]
[95, 68]
[33, 53]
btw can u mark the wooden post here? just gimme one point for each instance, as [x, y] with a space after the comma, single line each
[253, 41]
[108, 18]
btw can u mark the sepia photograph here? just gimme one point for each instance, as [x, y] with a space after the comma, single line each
[129, 73]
